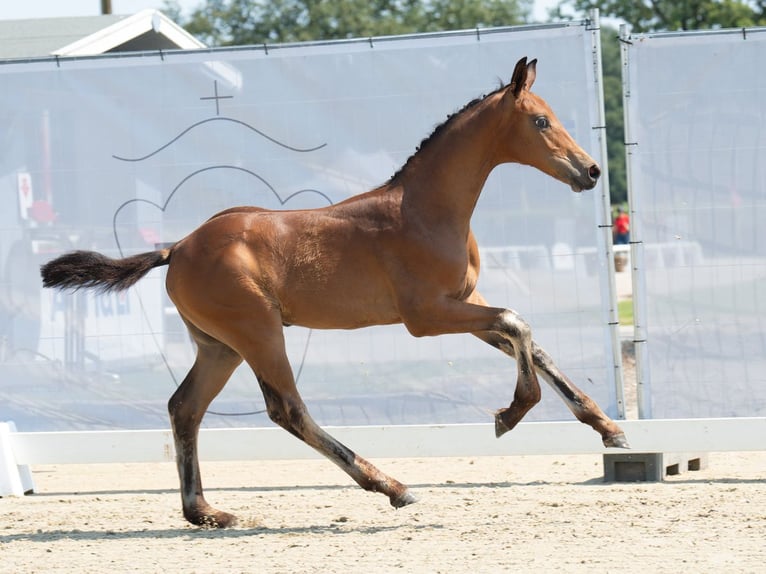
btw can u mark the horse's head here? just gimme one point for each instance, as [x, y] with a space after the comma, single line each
[537, 137]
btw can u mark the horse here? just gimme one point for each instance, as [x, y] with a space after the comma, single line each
[402, 253]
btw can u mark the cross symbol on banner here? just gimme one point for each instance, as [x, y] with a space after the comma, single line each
[216, 97]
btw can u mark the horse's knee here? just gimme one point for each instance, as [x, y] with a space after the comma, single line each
[527, 396]
[512, 327]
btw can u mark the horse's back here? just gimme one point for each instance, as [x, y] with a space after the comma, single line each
[238, 210]
[317, 268]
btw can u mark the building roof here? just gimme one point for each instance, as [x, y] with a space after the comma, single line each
[86, 36]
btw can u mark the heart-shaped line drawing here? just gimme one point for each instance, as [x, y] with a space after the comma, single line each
[163, 208]
[223, 119]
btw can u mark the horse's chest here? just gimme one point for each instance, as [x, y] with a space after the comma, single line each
[470, 279]
[457, 274]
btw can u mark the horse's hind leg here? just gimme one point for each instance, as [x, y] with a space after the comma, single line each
[266, 355]
[286, 408]
[212, 367]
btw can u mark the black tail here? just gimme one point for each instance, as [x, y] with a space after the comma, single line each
[90, 269]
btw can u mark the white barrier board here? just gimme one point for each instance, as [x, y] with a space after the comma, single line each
[124, 153]
[696, 124]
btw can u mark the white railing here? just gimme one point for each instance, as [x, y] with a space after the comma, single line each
[19, 450]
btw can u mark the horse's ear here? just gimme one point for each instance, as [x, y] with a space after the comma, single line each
[531, 74]
[523, 76]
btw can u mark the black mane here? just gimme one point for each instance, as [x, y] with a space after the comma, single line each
[440, 128]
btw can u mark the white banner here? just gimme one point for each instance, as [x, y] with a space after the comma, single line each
[696, 110]
[143, 149]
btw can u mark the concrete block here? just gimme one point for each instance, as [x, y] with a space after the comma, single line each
[650, 467]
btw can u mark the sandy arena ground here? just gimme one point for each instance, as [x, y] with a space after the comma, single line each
[475, 515]
[518, 514]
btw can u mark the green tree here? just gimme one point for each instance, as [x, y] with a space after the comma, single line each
[239, 22]
[649, 16]
[668, 15]
[615, 130]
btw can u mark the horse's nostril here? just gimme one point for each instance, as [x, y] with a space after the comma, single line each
[594, 172]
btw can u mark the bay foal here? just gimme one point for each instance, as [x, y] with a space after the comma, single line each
[401, 253]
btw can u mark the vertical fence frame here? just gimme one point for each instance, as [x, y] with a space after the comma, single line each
[612, 319]
[642, 336]
[638, 279]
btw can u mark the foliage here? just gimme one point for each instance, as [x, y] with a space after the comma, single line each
[625, 311]
[615, 131]
[239, 22]
[649, 16]
[669, 15]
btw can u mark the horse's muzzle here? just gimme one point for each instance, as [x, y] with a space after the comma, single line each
[588, 180]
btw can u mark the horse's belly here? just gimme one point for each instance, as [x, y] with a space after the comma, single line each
[338, 311]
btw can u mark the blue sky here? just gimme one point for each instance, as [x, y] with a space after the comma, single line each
[12, 9]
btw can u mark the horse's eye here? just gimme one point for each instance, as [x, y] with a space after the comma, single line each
[542, 122]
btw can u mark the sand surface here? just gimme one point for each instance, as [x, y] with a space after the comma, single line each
[475, 515]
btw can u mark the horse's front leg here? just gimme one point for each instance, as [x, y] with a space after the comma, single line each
[517, 341]
[506, 327]
[582, 406]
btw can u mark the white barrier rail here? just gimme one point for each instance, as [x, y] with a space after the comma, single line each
[538, 438]
[21, 449]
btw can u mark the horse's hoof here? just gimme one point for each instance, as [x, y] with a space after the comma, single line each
[506, 419]
[403, 499]
[216, 519]
[616, 441]
[500, 428]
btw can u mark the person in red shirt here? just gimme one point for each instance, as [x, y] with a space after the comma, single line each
[621, 227]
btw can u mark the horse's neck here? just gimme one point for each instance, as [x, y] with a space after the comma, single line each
[443, 183]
